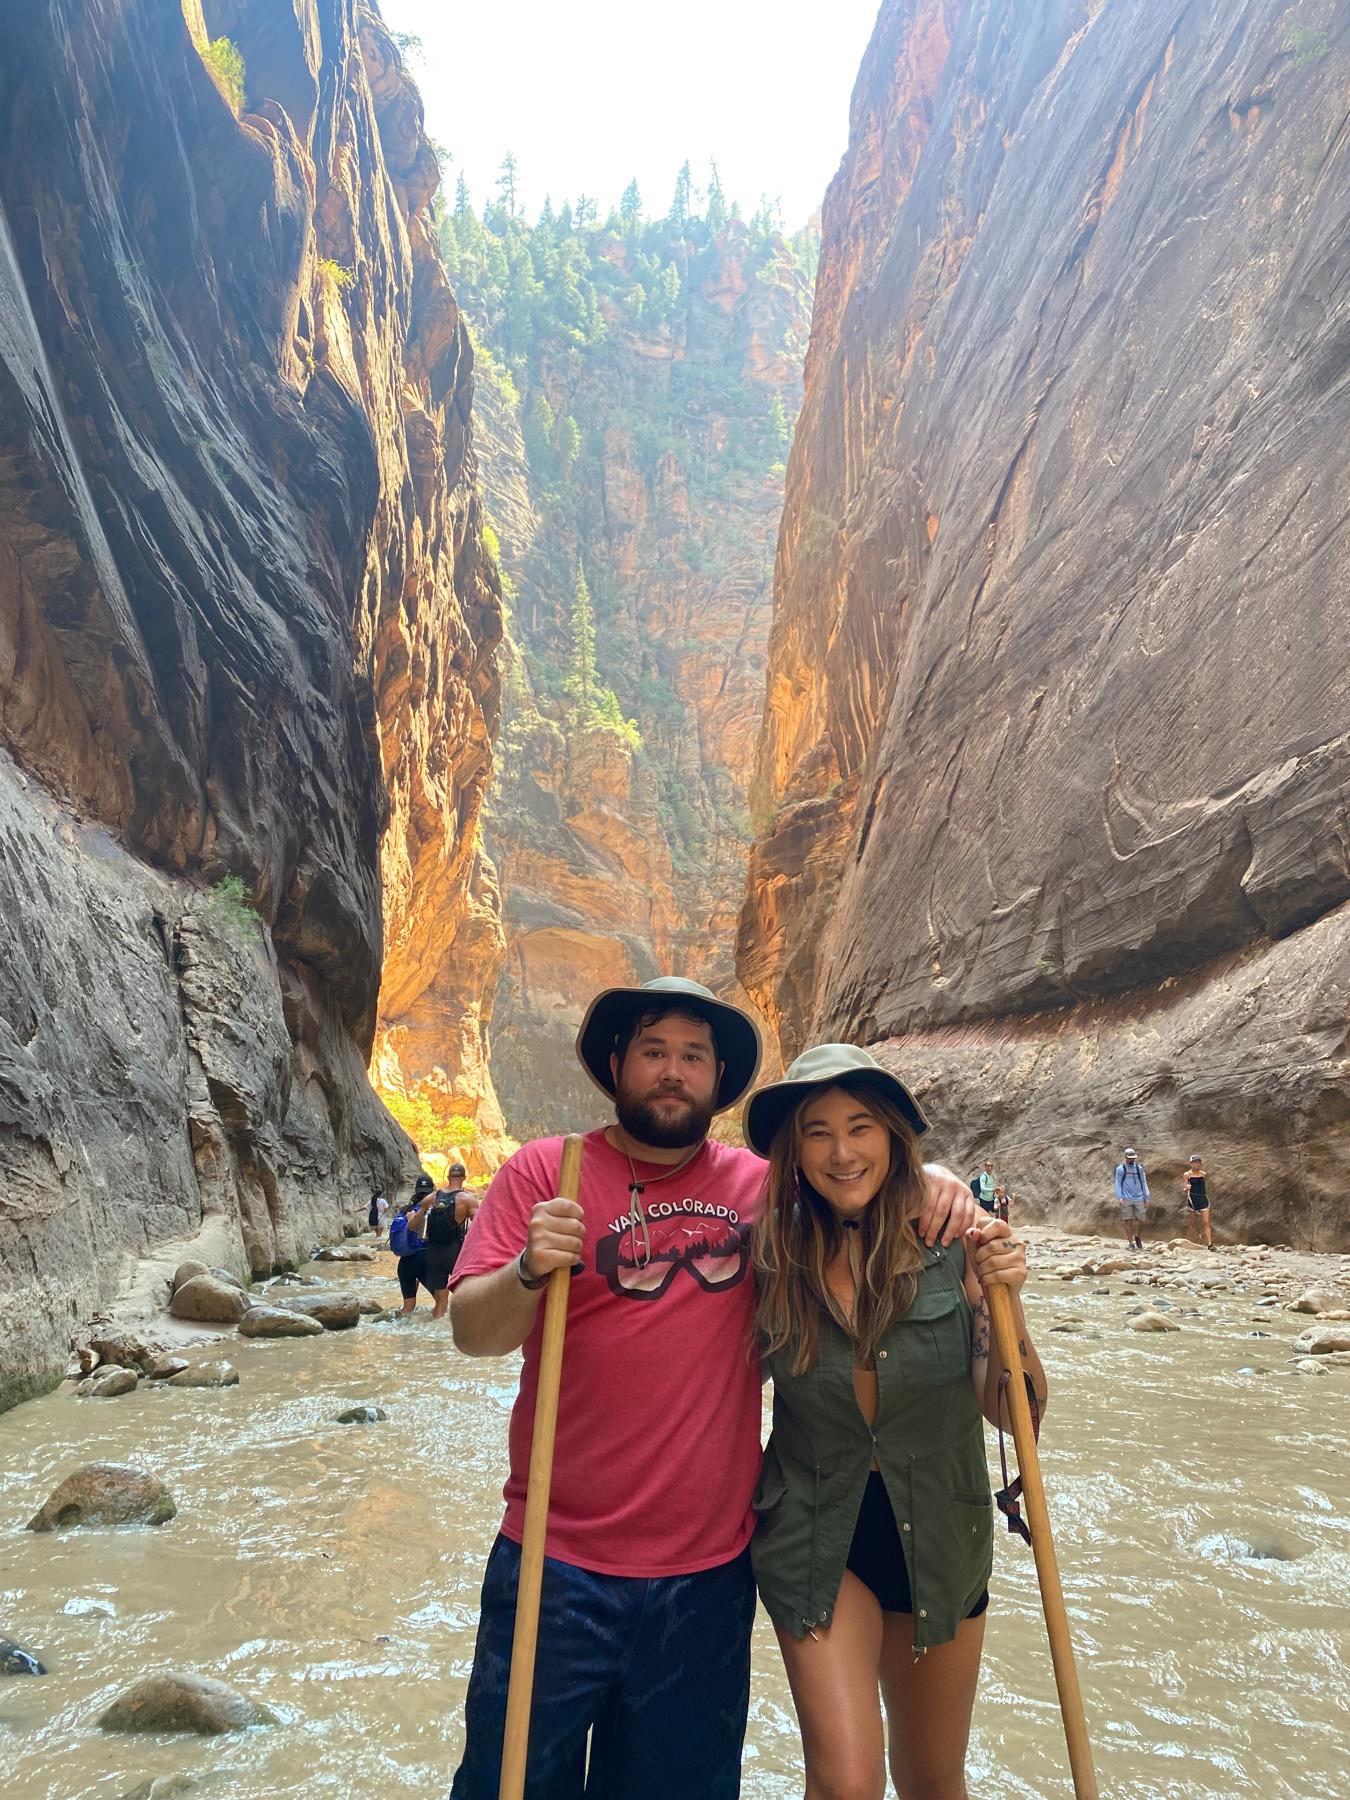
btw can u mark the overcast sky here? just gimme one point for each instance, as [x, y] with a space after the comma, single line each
[590, 93]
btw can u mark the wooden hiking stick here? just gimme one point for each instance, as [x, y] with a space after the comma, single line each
[515, 1743]
[1042, 1546]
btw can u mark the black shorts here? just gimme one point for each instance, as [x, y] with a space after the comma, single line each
[876, 1555]
[1198, 1205]
[411, 1270]
[440, 1259]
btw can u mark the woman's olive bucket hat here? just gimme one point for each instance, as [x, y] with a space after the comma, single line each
[823, 1066]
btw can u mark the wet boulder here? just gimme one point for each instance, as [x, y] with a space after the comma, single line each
[206, 1375]
[15, 1660]
[188, 1271]
[209, 1301]
[370, 1307]
[165, 1365]
[347, 1253]
[1309, 1365]
[277, 1322]
[1322, 1340]
[105, 1494]
[361, 1415]
[334, 1310]
[106, 1384]
[113, 1345]
[1152, 1321]
[1320, 1300]
[161, 1787]
[180, 1702]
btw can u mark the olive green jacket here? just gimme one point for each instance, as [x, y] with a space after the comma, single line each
[928, 1442]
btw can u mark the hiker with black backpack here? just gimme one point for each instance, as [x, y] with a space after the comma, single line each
[446, 1227]
[408, 1244]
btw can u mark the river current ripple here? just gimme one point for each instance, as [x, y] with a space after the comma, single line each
[1201, 1514]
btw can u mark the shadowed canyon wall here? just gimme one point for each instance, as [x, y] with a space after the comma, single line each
[247, 634]
[638, 379]
[1055, 752]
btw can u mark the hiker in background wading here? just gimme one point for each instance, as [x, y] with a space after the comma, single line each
[446, 1226]
[1197, 1202]
[1133, 1195]
[379, 1206]
[409, 1246]
[875, 1535]
[648, 1596]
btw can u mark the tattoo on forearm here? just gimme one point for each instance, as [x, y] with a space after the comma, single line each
[980, 1339]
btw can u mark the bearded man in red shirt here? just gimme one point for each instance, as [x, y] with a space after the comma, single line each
[647, 1598]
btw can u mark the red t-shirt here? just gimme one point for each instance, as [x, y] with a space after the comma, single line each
[659, 1412]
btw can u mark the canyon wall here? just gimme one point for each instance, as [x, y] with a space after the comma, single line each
[1055, 753]
[636, 392]
[247, 637]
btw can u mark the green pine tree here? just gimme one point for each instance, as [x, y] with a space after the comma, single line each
[582, 678]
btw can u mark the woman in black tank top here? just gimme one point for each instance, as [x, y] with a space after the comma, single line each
[1197, 1199]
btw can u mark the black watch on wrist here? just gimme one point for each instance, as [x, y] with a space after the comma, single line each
[532, 1282]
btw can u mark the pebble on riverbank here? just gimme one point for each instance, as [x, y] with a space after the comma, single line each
[180, 1702]
[105, 1494]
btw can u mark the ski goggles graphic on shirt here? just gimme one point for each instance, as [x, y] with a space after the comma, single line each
[714, 1251]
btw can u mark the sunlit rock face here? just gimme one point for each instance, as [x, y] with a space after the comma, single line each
[1055, 748]
[620, 863]
[247, 631]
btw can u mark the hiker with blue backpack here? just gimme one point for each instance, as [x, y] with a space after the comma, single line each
[408, 1243]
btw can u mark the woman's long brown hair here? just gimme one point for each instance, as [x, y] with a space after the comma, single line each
[797, 1236]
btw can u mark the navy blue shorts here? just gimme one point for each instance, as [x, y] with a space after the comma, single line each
[656, 1671]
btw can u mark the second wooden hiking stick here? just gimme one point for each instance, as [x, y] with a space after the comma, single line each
[1043, 1546]
[515, 1744]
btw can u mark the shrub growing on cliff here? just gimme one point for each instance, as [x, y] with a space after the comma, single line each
[229, 903]
[225, 65]
[334, 275]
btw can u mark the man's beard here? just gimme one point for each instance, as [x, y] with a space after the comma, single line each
[663, 1130]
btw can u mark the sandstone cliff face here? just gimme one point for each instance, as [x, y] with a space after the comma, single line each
[1055, 747]
[246, 631]
[621, 861]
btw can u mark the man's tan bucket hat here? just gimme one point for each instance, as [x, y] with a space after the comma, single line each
[824, 1066]
[738, 1042]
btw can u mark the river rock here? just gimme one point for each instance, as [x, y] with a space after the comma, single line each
[215, 1374]
[161, 1787]
[105, 1494]
[209, 1300]
[1111, 1265]
[361, 1415]
[1309, 1365]
[229, 1277]
[15, 1660]
[1152, 1321]
[346, 1253]
[277, 1322]
[188, 1271]
[122, 1348]
[164, 1366]
[182, 1702]
[1319, 1300]
[1322, 1340]
[106, 1384]
[335, 1311]
[371, 1309]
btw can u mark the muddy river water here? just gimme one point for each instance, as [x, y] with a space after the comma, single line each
[1202, 1518]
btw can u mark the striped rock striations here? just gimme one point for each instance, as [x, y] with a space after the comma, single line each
[1055, 751]
[247, 637]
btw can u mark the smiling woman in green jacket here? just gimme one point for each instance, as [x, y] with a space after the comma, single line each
[875, 1534]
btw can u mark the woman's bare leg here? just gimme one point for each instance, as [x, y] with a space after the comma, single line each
[833, 1677]
[929, 1701]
